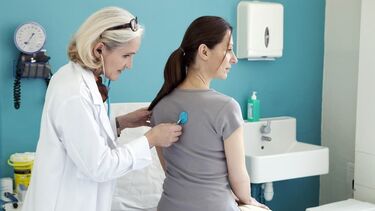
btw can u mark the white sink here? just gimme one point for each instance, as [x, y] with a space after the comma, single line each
[283, 157]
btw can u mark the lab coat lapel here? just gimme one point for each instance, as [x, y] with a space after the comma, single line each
[89, 79]
[104, 120]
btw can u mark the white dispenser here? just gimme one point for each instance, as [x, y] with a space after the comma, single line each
[259, 30]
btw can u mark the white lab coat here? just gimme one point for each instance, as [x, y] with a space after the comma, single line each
[77, 160]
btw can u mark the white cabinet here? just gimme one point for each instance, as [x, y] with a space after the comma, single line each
[365, 127]
[348, 104]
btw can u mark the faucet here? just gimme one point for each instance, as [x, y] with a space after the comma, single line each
[266, 138]
[266, 129]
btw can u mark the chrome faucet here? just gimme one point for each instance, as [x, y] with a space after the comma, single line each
[266, 129]
[266, 138]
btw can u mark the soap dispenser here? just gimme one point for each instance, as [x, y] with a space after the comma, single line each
[253, 108]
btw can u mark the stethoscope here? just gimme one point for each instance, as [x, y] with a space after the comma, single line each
[108, 99]
[104, 79]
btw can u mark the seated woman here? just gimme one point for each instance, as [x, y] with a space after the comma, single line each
[207, 165]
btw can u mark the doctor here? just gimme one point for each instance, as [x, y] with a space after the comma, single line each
[77, 158]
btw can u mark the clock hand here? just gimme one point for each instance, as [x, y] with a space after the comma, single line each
[27, 42]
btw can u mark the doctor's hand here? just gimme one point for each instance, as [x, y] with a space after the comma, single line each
[163, 135]
[133, 119]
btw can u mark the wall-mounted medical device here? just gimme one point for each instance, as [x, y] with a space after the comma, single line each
[32, 62]
[259, 30]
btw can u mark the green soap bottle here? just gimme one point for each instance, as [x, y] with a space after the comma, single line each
[253, 108]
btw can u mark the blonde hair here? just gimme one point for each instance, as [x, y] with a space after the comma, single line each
[94, 30]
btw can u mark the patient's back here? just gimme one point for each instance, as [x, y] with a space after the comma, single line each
[196, 170]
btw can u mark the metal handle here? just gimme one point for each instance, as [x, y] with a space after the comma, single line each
[266, 129]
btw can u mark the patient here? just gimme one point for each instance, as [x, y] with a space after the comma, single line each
[206, 169]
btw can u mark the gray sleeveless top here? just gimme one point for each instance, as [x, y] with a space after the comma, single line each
[196, 169]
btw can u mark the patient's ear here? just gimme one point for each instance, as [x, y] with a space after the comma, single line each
[203, 52]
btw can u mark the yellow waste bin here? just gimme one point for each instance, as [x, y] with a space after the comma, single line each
[22, 164]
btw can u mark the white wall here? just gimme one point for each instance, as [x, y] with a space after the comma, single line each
[342, 26]
[365, 133]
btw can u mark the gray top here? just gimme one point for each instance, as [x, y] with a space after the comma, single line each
[196, 169]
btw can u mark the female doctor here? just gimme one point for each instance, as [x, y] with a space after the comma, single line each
[77, 158]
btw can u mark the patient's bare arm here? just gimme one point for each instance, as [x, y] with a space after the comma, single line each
[238, 178]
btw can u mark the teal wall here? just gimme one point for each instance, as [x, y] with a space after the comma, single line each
[291, 85]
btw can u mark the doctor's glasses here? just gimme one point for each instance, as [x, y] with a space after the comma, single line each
[133, 25]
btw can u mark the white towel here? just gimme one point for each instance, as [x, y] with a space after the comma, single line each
[251, 208]
[140, 189]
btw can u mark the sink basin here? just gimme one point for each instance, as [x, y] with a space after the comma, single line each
[279, 156]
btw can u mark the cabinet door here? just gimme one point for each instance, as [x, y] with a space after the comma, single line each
[365, 124]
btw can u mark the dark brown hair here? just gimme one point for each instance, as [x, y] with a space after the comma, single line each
[208, 30]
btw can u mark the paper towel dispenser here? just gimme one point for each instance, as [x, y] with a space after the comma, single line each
[259, 30]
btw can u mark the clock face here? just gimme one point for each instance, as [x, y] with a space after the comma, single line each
[30, 37]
